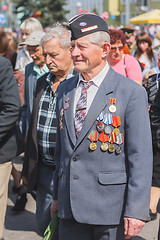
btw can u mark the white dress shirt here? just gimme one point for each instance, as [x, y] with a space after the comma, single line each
[92, 90]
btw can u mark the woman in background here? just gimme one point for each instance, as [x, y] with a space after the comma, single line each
[144, 52]
[123, 63]
[26, 28]
[5, 49]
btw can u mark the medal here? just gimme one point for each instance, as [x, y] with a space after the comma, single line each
[62, 112]
[93, 136]
[103, 137]
[66, 105]
[118, 150]
[92, 146]
[100, 117]
[116, 121]
[100, 126]
[116, 131]
[119, 139]
[112, 108]
[104, 146]
[61, 125]
[113, 137]
[107, 119]
[107, 130]
[111, 148]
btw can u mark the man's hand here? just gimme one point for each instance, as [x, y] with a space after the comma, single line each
[132, 226]
[54, 207]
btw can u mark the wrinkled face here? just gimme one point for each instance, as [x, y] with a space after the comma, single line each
[36, 53]
[58, 59]
[116, 52]
[86, 55]
[143, 46]
[24, 35]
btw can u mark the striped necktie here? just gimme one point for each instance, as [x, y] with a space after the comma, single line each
[81, 107]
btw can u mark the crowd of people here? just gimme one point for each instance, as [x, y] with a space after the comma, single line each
[81, 102]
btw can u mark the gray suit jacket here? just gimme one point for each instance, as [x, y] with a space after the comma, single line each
[97, 187]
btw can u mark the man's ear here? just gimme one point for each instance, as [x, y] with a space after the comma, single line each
[106, 49]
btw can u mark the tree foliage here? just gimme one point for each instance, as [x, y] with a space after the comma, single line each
[47, 11]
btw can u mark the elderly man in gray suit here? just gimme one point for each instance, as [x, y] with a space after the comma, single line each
[103, 152]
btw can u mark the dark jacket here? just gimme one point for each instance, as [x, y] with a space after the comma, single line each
[31, 151]
[152, 87]
[9, 111]
[155, 110]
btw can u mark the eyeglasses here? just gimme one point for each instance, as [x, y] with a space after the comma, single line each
[114, 49]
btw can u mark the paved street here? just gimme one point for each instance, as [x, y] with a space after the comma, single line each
[23, 227]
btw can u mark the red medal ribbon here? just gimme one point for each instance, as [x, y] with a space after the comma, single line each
[116, 121]
[113, 135]
[93, 136]
[103, 137]
[112, 100]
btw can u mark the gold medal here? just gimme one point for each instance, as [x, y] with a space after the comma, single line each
[116, 131]
[93, 146]
[104, 146]
[111, 148]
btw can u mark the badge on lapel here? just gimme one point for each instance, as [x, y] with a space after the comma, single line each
[66, 104]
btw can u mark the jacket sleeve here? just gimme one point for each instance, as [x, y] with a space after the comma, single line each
[57, 157]
[139, 156]
[155, 120]
[9, 98]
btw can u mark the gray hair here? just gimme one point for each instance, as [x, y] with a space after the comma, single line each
[60, 32]
[99, 38]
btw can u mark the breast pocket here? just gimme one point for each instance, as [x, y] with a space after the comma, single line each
[112, 178]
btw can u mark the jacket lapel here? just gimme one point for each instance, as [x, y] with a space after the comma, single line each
[69, 112]
[99, 103]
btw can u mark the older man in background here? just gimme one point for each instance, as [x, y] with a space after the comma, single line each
[33, 71]
[39, 157]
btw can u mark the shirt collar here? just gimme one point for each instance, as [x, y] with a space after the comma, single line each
[42, 71]
[50, 77]
[97, 80]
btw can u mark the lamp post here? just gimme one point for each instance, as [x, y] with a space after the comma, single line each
[127, 10]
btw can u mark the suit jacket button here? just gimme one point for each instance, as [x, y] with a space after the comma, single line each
[75, 159]
[75, 177]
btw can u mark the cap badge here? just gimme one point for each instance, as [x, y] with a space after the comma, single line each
[89, 28]
[82, 24]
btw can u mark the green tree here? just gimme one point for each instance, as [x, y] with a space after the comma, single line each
[47, 11]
